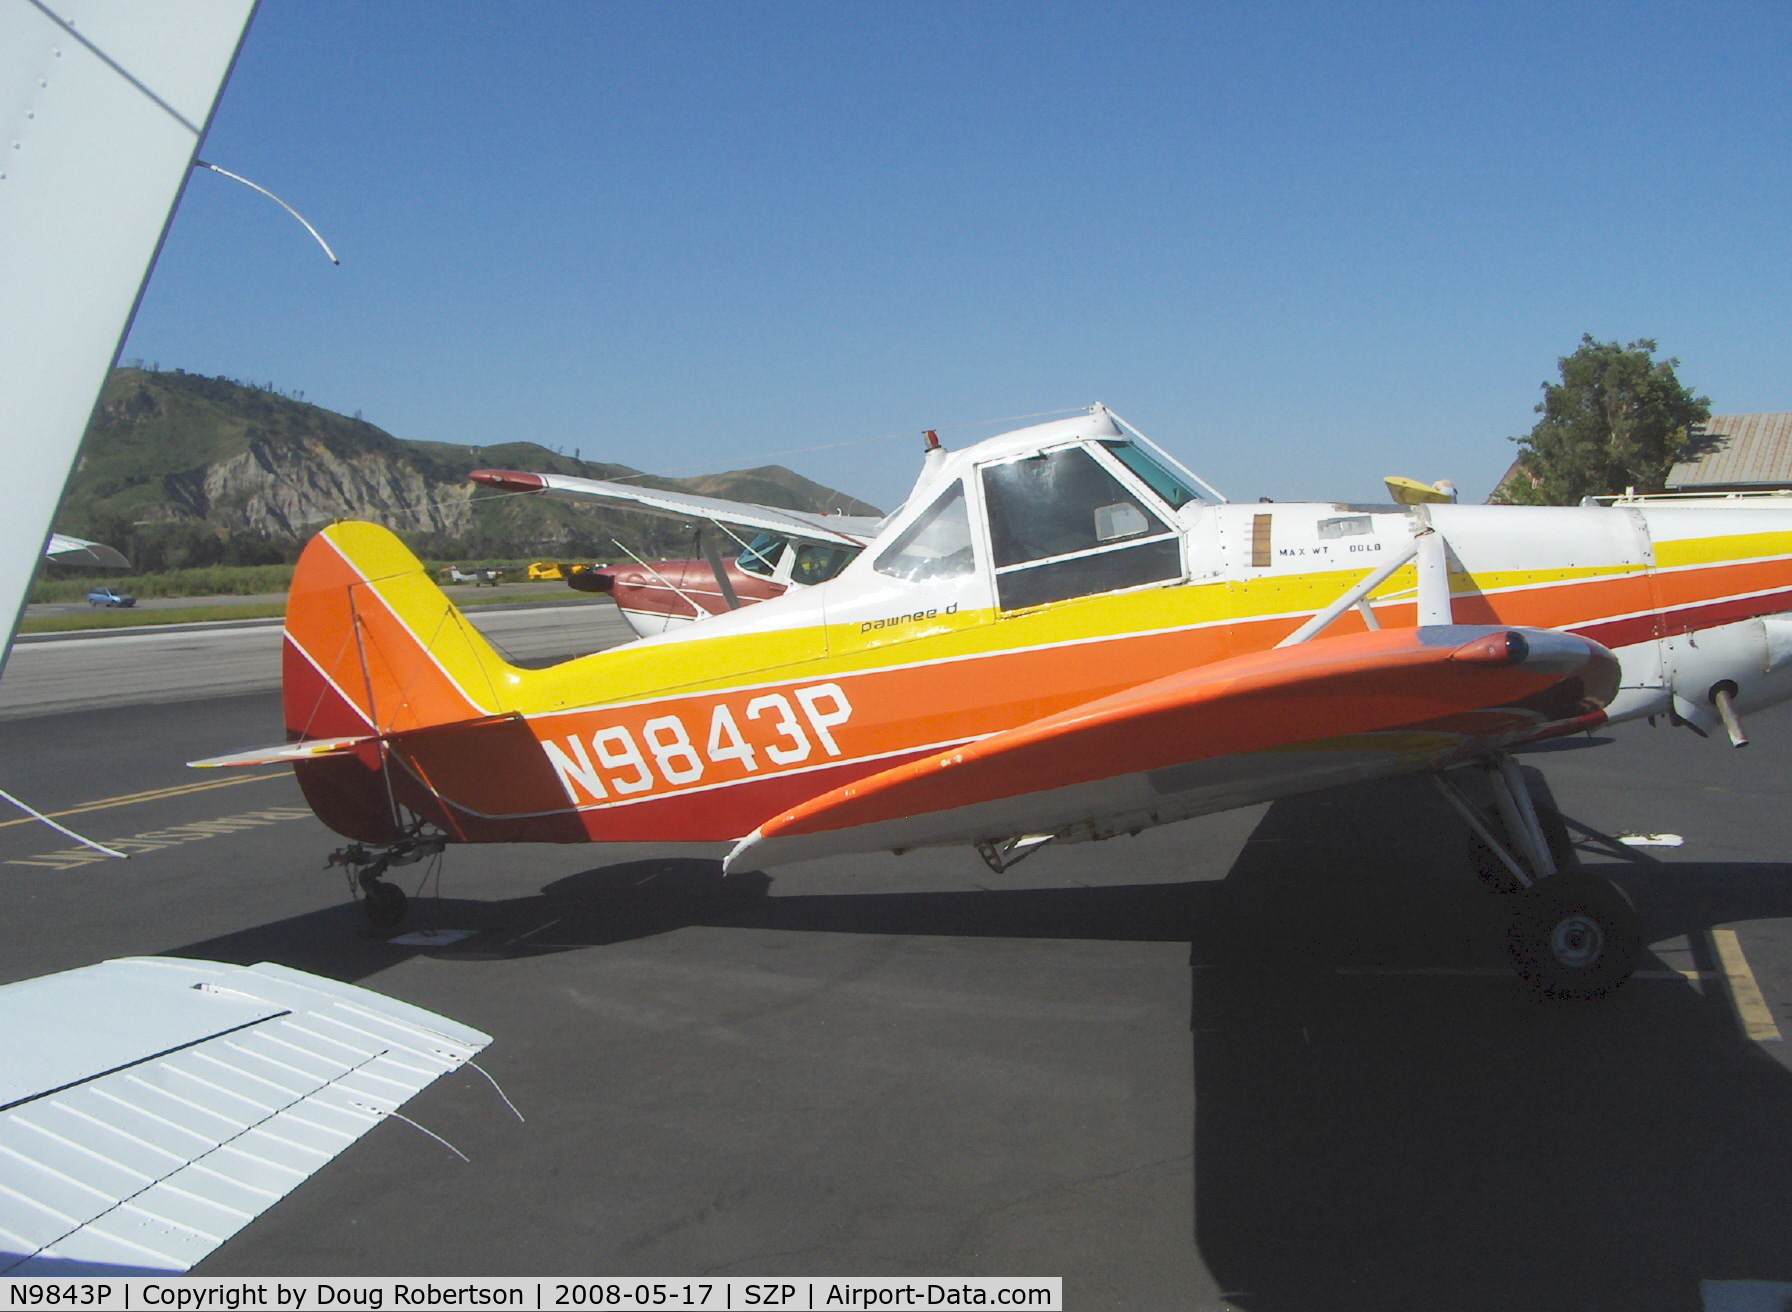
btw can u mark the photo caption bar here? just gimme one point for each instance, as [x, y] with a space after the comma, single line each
[536, 1293]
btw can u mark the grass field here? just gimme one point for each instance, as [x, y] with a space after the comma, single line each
[137, 619]
[215, 580]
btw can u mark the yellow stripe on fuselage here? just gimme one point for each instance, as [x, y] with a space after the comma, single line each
[1730, 550]
[706, 663]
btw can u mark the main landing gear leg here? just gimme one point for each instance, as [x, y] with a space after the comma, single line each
[1572, 934]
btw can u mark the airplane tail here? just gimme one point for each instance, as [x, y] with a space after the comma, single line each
[374, 647]
[375, 658]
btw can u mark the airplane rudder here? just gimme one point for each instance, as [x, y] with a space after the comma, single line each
[323, 691]
[371, 624]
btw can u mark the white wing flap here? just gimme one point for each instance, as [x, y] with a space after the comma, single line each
[153, 1106]
[80, 1023]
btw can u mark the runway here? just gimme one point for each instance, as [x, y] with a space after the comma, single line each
[1270, 1060]
[180, 662]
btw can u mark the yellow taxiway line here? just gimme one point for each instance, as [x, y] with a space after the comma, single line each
[1745, 994]
[151, 795]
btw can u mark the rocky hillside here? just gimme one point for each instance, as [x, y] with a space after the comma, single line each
[180, 469]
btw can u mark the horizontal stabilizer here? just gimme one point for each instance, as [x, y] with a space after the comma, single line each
[311, 749]
[308, 750]
[1399, 697]
[152, 1107]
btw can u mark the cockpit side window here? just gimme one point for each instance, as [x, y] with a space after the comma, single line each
[817, 563]
[937, 545]
[1062, 526]
[762, 554]
[1153, 475]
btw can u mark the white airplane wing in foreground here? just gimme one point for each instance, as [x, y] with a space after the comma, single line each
[844, 530]
[151, 1107]
[103, 117]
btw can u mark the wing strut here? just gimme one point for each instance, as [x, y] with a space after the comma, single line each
[695, 605]
[1434, 586]
[1434, 572]
[708, 545]
[1360, 593]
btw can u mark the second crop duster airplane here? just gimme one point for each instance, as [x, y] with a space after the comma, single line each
[1057, 638]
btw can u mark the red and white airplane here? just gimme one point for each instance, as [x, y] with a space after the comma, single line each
[786, 549]
[1057, 638]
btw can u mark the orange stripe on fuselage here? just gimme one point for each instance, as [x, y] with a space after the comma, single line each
[711, 766]
[906, 709]
[641, 754]
[1615, 610]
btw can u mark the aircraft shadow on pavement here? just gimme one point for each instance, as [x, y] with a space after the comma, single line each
[1411, 1141]
[1363, 1139]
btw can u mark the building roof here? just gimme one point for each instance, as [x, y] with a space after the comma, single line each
[1737, 451]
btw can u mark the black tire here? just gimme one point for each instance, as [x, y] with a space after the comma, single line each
[1485, 863]
[1574, 935]
[384, 905]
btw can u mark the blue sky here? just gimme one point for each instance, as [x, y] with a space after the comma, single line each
[1302, 246]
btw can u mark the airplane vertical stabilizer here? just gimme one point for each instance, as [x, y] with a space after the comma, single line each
[374, 649]
[373, 646]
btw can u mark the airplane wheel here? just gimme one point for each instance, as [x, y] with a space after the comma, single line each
[1574, 935]
[384, 905]
[1493, 872]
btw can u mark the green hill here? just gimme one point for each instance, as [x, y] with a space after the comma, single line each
[179, 470]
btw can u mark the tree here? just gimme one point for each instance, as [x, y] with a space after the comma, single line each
[1617, 420]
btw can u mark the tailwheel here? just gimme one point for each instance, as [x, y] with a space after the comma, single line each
[383, 904]
[1574, 935]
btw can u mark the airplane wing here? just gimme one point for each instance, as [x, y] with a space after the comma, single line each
[1252, 728]
[65, 550]
[151, 1107]
[104, 118]
[845, 530]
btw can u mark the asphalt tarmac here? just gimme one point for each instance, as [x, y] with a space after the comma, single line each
[1268, 1060]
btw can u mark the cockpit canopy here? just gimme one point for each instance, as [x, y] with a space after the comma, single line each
[806, 563]
[1065, 520]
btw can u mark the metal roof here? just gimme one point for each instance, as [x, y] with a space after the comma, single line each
[1737, 451]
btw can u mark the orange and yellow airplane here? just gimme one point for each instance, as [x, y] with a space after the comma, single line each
[1057, 637]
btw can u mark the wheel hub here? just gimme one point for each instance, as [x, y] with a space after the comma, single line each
[1577, 941]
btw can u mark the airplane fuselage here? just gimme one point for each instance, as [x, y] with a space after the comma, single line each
[969, 616]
